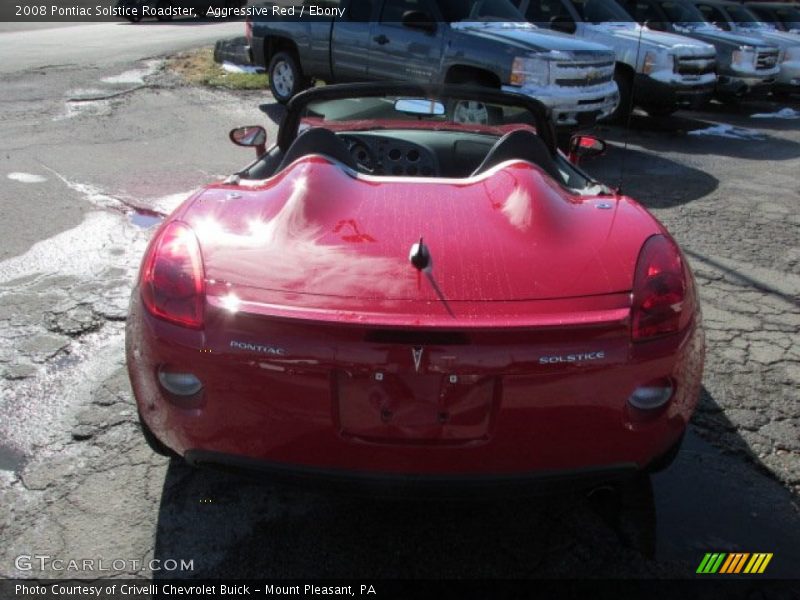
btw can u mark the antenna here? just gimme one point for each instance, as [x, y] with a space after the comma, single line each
[629, 113]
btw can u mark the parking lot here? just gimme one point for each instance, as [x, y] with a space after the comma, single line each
[89, 163]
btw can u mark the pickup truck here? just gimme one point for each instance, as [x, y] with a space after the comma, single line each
[483, 42]
[732, 16]
[745, 64]
[658, 71]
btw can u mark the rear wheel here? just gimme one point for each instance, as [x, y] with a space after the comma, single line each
[285, 77]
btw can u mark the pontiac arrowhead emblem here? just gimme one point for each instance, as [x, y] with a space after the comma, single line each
[417, 354]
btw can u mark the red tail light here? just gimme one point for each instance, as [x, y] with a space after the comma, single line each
[172, 281]
[663, 294]
[248, 29]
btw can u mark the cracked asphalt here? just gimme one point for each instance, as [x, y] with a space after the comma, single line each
[83, 183]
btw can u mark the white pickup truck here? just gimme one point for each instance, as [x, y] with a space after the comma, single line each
[657, 71]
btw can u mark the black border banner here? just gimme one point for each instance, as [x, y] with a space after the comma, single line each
[717, 588]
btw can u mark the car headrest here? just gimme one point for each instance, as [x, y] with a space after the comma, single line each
[520, 144]
[317, 140]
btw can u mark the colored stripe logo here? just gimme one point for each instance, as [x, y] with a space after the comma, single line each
[734, 563]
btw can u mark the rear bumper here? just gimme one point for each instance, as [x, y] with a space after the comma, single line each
[322, 412]
[422, 485]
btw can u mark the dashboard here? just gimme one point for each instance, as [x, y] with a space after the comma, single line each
[383, 155]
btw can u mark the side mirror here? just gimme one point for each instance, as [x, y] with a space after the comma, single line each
[253, 136]
[563, 23]
[585, 146]
[419, 19]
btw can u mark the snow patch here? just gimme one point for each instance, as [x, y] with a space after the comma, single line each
[78, 108]
[134, 76]
[730, 132]
[77, 251]
[232, 68]
[26, 177]
[784, 113]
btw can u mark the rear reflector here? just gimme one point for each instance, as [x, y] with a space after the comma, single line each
[180, 384]
[652, 395]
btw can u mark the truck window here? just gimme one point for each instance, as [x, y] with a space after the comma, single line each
[545, 11]
[683, 14]
[601, 11]
[714, 15]
[645, 12]
[479, 10]
[360, 10]
[393, 10]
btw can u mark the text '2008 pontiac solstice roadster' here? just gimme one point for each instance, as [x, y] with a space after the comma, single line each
[414, 284]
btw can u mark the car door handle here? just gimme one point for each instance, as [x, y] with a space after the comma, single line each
[381, 39]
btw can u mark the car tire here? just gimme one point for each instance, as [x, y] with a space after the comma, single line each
[155, 444]
[162, 5]
[285, 77]
[493, 114]
[624, 108]
[663, 462]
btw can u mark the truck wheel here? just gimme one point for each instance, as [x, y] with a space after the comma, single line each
[625, 84]
[285, 77]
[472, 112]
[154, 443]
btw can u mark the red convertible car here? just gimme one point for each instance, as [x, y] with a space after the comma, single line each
[414, 285]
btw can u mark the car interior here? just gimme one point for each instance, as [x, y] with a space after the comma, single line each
[419, 153]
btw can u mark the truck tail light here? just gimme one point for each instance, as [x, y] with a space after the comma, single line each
[663, 293]
[172, 280]
[248, 29]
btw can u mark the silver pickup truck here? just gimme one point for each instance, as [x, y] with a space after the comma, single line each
[657, 71]
[483, 42]
[745, 64]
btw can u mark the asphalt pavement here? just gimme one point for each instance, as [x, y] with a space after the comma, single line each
[96, 140]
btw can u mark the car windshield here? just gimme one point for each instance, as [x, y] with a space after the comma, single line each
[482, 10]
[602, 11]
[455, 122]
[415, 112]
[685, 15]
[745, 18]
[789, 16]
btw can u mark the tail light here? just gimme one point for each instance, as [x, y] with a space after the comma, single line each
[663, 293]
[172, 281]
[248, 29]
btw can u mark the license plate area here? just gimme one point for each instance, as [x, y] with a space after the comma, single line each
[414, 407]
